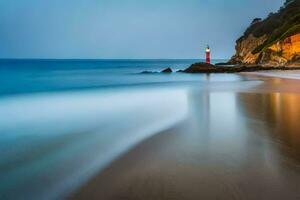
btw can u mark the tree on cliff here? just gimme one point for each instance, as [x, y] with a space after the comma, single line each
[256, 20]
[287, 2]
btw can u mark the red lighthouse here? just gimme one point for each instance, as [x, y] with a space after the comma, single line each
[207, 54]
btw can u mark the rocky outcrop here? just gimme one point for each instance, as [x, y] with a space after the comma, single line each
[167, 70]
[199, 67]
[203, 68]
[285, 52]
[274, 41]
[244, 49]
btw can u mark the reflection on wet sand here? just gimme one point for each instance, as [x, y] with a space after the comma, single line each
[280, 113]
[234, 145]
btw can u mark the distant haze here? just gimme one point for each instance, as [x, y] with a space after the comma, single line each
[125, 28]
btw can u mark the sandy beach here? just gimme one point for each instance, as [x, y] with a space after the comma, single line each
[221, 137]
[238, 142]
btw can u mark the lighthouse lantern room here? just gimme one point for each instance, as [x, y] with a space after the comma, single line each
[207, 54]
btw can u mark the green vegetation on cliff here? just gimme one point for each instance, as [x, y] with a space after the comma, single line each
[277, 26]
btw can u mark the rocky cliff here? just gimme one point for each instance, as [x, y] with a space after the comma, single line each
[274, 41]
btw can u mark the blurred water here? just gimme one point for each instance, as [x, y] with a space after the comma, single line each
[63, 121]
[234, 145]
[27, 76]
[51, 144]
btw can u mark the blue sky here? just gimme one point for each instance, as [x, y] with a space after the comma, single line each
[125, 28]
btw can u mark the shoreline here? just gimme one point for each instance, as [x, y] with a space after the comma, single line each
[196, 159]
[276, 74]
[70, 147]
[206, 68]
[210, 68]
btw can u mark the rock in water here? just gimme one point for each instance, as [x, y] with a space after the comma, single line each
[167, 70]
[203, 68]
[200, 68]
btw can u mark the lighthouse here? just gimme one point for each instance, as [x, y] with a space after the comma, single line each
[207, 54]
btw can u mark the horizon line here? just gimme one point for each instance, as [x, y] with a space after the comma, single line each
[111, 58]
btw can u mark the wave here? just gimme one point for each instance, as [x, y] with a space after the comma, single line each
[51, 144]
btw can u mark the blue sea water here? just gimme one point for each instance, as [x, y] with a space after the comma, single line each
[28, 76]
[63, 121]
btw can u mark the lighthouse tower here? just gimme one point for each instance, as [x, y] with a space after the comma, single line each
[207, 54]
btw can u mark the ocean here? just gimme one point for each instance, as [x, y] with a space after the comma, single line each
[63, 121]
[19, 76]
[90, 129]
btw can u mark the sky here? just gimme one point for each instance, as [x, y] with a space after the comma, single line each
[125, 29]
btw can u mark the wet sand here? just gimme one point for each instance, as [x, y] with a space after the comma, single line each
[235, 144]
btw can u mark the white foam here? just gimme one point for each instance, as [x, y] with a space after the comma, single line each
[99, 127]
